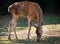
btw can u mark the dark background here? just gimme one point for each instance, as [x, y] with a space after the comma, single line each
[48, 6]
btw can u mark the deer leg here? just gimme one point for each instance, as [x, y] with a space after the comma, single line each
[15, 30]
[15, 34]
[29, 27]
[9, 29]
[9, 33]
[9, 24]
[14, 26]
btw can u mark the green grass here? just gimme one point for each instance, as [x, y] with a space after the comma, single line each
[53, 20]
[51, 40]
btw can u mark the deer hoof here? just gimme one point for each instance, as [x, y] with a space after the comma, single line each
[27, 39]
[16, 38]
[38, 40]
[9, 38]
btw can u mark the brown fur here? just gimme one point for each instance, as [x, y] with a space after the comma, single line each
[25, 9]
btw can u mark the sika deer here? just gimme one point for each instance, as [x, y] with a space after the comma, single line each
[31, 11]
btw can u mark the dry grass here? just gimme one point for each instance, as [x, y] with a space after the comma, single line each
[48, 31]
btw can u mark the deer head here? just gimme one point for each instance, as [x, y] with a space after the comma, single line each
[38, 32]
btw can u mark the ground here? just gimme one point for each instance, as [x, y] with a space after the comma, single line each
[50, 35]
